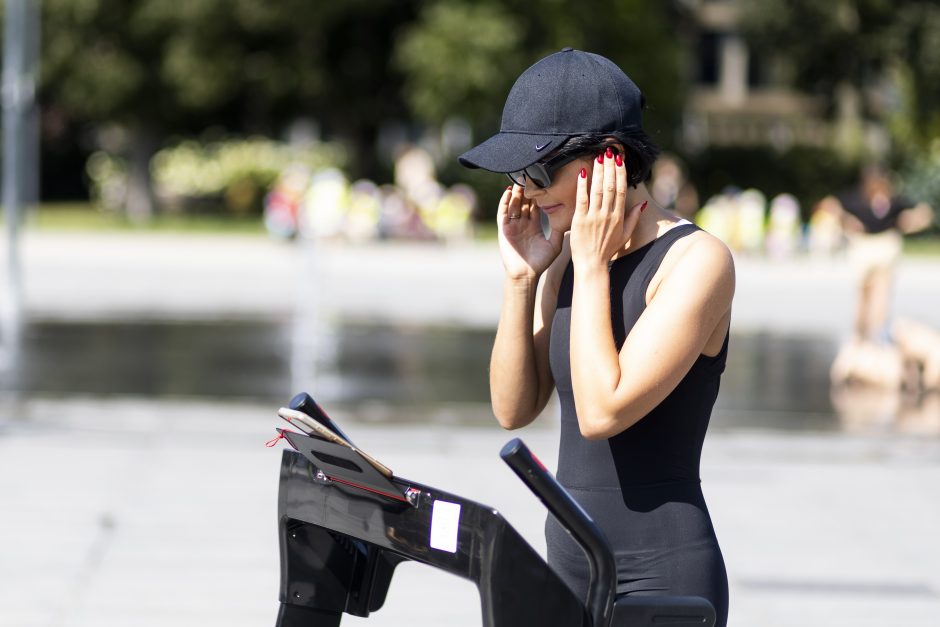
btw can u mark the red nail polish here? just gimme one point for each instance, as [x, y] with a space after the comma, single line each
[583, 173]
[600, 158]
[610, 152]
[619, 159]
[509, 188]
[643, 206]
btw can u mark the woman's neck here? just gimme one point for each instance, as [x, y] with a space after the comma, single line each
[653, 221]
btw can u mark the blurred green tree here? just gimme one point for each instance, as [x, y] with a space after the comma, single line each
[885, 51]
[146, 69]
[139, 71]
[460, 58]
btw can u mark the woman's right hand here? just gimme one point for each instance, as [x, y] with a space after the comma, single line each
[525, 250]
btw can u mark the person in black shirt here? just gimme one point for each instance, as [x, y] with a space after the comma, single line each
[875, 219]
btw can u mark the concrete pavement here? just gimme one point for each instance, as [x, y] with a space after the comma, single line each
[134, 512]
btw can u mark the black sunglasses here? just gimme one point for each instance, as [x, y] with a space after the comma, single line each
[541, 172]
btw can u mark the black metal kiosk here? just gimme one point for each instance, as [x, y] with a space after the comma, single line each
[344, 527]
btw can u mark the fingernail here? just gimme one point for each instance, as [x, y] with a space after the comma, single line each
[610, 152]
[619, 159]
[583, 173]
[643, 206]
[509, 188]
[600, 158]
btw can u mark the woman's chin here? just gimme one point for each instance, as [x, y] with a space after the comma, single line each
[560, 221]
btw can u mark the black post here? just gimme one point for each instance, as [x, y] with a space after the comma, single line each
[601, 589]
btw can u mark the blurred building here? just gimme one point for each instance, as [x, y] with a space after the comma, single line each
[741, 99]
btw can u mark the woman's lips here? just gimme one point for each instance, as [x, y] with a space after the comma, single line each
[550, 208]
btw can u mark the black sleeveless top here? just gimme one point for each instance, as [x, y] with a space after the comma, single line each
[664, 446]
[642, 485]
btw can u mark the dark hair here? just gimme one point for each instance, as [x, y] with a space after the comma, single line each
[639, 150]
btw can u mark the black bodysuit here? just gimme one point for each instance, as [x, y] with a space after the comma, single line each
[641, 486]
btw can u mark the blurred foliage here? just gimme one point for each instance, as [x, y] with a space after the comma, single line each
[240, 171]
[920, 179]
[158, 69]
[806, 172]
[184, 65]
[889, 50]
[161, 69]
[165, 68]
[461, 57]
[451, 57]
[232, 174]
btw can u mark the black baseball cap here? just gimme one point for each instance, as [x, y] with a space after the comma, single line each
[565, 94]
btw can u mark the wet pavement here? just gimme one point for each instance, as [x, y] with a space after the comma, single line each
[400, 374]
[137, 490]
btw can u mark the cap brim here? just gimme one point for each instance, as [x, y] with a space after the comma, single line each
[510, 152]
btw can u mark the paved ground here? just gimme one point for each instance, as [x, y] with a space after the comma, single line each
[134, 512]
[120, 512]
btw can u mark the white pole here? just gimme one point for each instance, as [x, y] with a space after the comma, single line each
[18, 97]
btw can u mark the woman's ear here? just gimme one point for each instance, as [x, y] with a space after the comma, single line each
[614, 145]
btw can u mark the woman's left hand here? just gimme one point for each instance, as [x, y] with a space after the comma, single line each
[602, 223]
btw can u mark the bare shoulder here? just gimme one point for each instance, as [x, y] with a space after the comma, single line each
[699, 259]
[703, 247]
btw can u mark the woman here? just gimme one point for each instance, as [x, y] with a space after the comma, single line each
[624, 308]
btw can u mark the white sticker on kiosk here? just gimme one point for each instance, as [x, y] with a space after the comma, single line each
[445, 521]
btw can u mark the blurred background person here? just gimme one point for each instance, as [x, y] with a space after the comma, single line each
[825, 236]
[672, 189]
[282, 205]
[751, 220]
[783, 227]
[874, 219]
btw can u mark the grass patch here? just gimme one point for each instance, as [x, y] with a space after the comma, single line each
[82, 216]
[485, 231]
[922, 246]
[79, 216]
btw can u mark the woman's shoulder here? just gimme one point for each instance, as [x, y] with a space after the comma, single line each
[697, 257]
[700, 246]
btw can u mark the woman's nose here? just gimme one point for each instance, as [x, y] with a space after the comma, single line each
[531, 190]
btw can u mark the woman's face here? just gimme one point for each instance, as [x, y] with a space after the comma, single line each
[557, 201]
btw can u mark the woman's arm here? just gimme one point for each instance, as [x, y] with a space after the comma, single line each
[691, 305]
[520, 379]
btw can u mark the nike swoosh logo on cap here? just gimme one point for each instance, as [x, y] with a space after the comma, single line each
[540, 148]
